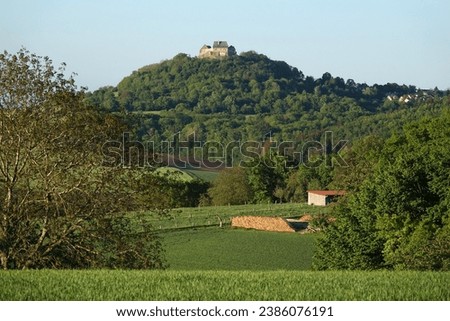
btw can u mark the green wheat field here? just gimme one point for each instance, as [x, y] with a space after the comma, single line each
[222, 285]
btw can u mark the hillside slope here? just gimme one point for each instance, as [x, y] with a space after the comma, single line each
[247, 96]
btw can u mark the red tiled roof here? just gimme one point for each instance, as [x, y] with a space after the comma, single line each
[327, 193]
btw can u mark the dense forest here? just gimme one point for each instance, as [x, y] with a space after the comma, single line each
[250, 96]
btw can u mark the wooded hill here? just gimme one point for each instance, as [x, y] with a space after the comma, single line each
[248, 96]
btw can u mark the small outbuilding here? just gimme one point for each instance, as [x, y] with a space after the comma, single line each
[323, 197]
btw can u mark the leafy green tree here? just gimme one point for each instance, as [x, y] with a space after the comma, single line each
[104, 98]
[413, 207]
[298, 182]
[267, 176]
[230, 187]
[351, 242]
[399, 216]
[360, 160]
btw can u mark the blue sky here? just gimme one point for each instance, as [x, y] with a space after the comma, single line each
[372, 41]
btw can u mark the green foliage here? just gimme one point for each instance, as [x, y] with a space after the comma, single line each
[105, 98]
[321, 221]
[128, 244]
[360, 160]
[231, 187]
[266, 176]
[247, 83]
[351, 242]
[183, 194]
[183, 187]
[247, 96]
[307, 178]
[119, 285]
[414, 203]
[399, 217]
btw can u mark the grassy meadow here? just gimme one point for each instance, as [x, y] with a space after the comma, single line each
[189, 217]
[222, 285]
[237, 249]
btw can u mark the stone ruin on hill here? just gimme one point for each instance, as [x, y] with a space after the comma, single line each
[220, 49]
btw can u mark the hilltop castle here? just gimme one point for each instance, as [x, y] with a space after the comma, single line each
[219, 49]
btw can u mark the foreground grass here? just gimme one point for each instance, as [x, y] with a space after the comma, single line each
[238, 249]
[222, 285]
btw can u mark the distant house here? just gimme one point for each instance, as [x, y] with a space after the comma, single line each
[323, 197]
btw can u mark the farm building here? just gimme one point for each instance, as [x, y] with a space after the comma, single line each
[323, 197]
